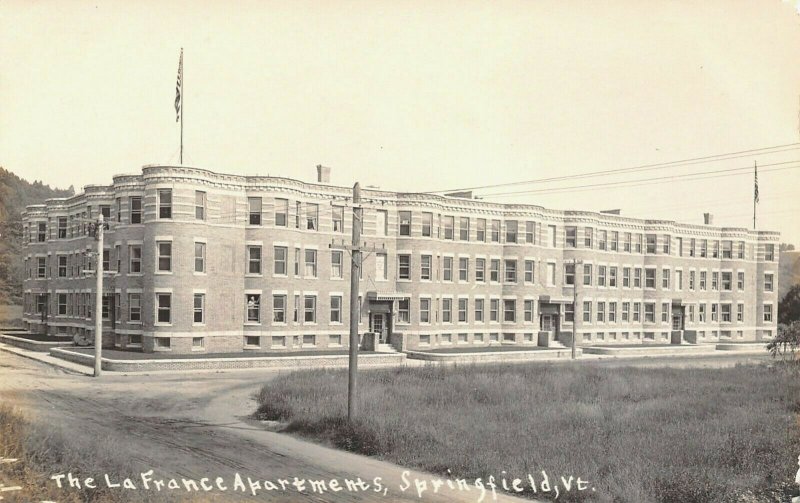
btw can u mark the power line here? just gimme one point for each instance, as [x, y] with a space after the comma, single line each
[646, 181]
[644, 167]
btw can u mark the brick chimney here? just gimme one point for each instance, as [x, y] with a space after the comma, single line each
[708, 218]
[323, 174]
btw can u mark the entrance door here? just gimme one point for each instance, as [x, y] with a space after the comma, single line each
[378, 325]
[548, 325]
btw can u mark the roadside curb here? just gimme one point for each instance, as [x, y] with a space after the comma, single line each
[48, 360]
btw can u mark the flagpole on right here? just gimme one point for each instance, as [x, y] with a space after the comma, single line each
[755, 192]
[179, 100]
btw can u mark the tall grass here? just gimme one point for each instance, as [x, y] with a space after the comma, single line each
[638, 435]
[44, 450]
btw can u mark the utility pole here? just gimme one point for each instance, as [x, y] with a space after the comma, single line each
[356, 252]
[98, 305]
[575, 264]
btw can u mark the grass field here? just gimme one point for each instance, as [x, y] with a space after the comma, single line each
[637, 435]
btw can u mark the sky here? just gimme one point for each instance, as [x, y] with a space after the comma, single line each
[420, 96]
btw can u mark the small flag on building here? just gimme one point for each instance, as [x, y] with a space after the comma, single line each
[755, 195]
[179, 88]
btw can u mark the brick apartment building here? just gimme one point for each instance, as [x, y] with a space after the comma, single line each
[204, 261]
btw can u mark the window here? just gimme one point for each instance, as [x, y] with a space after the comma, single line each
[165, 203]
[62, 266]
[135, 204]
[336, 309]
[587, 311]
[404, 266]
[739, 312]
[405, 223]
[665, 276]
[254, 260]
[740, 280]
[134, 307]
[665, 312]
[769, 252]
[740, 250]
[311, 263]
[637, 278]
[494, 270]
[41, 267]
[310, 308]
[612, 277]
[199, 205]
[612, 312]
[447, 268]
[727, 249]
[254, 308]
[601, 240]
[463, 228]
[529, 232]
[529, 275]
[572, 237]
[637, 308]
[569, 312]
[511, 271]
[725, 310]
[106, 259]
[614, 241]
[715, 280]
[768, 280]
[649, 312]
[479, 310]
[551, 274]
[510, 310]
[427, 224]
[714, 312]
[381, 271]
[424, 310]
[702, 280]
[312, 216]
[649, 278]
[162, 342]
[601, 312]
[62, 304]
[569, 274]
[527, 306]
[481, 230]
[679, 280]
[551, 236]
[298, 210]
[727, 281]
[281, 212]
[703, 248]
[199, 307]
[279, 308]
[639, 243]
[337, 215]
[627, 243]
[768, 313]
[494, 309]
[588, 234]
[252, 341]
[448, 227]
[447, 310]
[667, 241]
[463, 269]
[425, 267]
[281, 258]
[626, 311]
[651, 243]
[199, 257]
[164, 307]
[495, 231]
[601, 275]
[403, 311]
[62, 227]
[42, 232]
[480, 270]
[198, 343]
[336, 263]
[118, 256]
[164, 255]
[626, 277]
[587, 274]
[462, 310]
[511, 231]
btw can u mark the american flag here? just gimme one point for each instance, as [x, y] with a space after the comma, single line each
[178, 88]
[755, 195]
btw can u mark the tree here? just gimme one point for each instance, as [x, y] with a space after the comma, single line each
[786, 247]
[786, 343]
[789, 306]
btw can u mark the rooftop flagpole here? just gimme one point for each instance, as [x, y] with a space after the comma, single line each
[755, 192]
[179, 100]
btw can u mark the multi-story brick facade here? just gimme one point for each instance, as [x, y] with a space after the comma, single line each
[202, 261]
